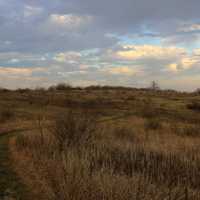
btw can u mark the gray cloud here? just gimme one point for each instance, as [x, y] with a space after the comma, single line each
[34, 32]
[24, 22]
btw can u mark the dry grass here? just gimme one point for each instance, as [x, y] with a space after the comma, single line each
[6, 114]
[130, 144]
[80, 159]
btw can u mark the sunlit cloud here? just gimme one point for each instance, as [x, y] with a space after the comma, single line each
[70, 21]
[18, 71]
[131, 52]
[189, 28]
[173, 67]
[72, 57]
[124, 70]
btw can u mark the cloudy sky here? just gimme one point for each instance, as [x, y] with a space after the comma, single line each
[107, 42]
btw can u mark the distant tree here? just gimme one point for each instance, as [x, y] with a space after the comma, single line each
[197, 91]
[63, 86]
[154, 86]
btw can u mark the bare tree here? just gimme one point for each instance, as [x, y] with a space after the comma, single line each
[197, 91]
[154, 86]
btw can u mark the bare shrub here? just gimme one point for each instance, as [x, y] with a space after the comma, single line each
[73, 129]
[194, 106]
[6, 114]
[153, 124]
[22, 142]
[124, 133]
[197, 91]
[148, 108]
[192, 130]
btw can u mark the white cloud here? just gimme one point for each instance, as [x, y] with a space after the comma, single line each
[15, 57]
[132, 52]
[123, 70]
[196, 52]
[5, 71]
[70, 57]
[154, 58]
[189, 62]
[173, 67]
[189, 28]
[14, 60]
[70, 21]
[184, 63]
[32, 11]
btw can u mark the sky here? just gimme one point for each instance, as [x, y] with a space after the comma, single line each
[107, 42]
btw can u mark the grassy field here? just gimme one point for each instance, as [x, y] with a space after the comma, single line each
[103, 143]
[11, 186]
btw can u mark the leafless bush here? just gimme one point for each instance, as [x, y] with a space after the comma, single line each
[194, 106]
[6, 114]
[148, 108]
[73, 129]
[153, 124]
[192, 130]
[124, 133]
[22, 142]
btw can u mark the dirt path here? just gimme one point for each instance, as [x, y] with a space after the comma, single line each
[10, 186]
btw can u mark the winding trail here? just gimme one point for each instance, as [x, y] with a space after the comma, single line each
[10, 186]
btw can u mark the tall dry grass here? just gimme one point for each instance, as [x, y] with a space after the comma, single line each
[79, 159]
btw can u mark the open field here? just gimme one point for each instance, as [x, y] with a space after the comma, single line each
[104, 143]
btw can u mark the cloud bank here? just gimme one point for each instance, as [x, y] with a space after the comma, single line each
[127, 43]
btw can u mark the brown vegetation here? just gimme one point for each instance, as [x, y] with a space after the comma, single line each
[194, 106]
[6, 114]
[78, 158]
[106, 143]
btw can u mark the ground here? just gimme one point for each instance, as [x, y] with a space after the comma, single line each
[11, 188]
[140, 110]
